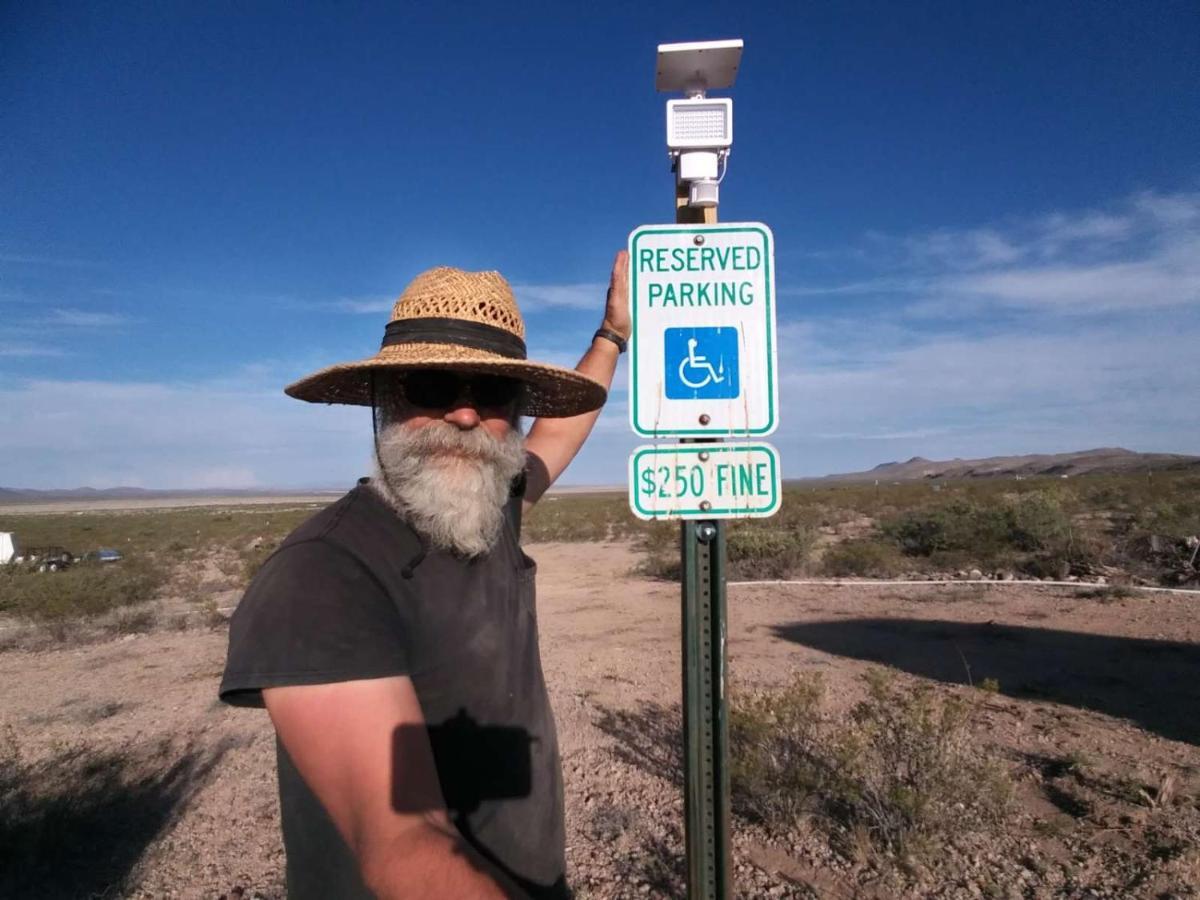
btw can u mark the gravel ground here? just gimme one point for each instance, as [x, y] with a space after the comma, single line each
[1097, 721]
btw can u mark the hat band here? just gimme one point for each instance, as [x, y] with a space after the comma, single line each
[436, 330]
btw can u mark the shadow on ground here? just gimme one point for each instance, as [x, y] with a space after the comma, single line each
[1155, 684]
[76, 824]
[649, 738]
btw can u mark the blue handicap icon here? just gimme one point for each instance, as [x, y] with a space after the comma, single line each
[701, 363]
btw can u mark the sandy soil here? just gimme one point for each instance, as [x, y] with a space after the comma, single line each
[191, 809]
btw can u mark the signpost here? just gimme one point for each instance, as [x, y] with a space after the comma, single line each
[703, 346]
[703, 369]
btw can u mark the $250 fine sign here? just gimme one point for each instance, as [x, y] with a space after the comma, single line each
[704, 481]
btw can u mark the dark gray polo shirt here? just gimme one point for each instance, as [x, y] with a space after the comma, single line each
[352, 593]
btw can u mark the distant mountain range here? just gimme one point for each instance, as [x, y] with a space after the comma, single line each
[31, 495]
[1108, 460]
[1085, 462]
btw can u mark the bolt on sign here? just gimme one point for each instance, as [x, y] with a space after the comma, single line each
[702, 351]
[704, 481]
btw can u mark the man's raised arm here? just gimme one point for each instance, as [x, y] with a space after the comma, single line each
[343, 740]
[553, 443]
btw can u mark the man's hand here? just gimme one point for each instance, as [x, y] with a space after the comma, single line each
[616, 311]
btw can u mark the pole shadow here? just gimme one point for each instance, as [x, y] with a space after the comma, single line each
[649, 738]
[76, 824]
[1153, 683]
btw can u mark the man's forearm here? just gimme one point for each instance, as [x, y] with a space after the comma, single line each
[430, 862]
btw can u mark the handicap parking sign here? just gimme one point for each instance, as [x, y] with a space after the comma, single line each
[701, 363]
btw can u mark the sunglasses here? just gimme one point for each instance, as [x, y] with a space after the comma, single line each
[441, 389]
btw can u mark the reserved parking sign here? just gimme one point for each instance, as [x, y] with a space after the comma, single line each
[702, 351]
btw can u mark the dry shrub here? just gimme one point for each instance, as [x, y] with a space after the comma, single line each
[756, 551]
[900, 769]
[84, 590]
[753, 550]
[865, 558]
[211, 616]
[132, 621]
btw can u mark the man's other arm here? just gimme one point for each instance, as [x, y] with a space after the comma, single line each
[553, 443]
[341, 739]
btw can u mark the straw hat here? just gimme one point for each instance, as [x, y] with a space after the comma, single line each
[467, 321]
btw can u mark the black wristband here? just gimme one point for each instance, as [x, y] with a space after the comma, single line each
[609, 335]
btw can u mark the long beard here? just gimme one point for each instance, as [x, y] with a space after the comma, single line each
[451, 485]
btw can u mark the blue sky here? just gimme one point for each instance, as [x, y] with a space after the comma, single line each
[987, 218]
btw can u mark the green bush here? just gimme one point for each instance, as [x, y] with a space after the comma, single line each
[1028, 529]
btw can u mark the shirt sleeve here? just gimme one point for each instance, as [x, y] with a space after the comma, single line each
[313, 614]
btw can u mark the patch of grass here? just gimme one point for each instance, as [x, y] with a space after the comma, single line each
[900, 771]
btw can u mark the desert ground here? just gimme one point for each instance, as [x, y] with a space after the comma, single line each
[153, 788]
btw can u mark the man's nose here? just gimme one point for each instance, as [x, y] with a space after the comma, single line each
[464, 416]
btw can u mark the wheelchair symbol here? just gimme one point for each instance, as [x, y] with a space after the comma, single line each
[694, 363]
[701, 363]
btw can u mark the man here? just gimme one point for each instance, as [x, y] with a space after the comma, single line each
[393, 636]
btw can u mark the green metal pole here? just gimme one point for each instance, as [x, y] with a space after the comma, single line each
[705, 719]
[705, 725]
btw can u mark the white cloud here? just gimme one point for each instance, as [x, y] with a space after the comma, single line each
[104, 434]
[530, 298]
[1169, 276]
[12, 350]
[1060, 331]
[976, 395]
[363, 305]
[582, 295]
[1144, 253]
[41, 260]
[82, 318]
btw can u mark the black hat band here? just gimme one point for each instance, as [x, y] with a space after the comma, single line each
[462, 332]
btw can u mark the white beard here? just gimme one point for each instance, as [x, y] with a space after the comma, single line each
[451, 485]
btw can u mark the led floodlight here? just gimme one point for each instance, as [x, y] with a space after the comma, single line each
[699, 129]
[699, 124]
